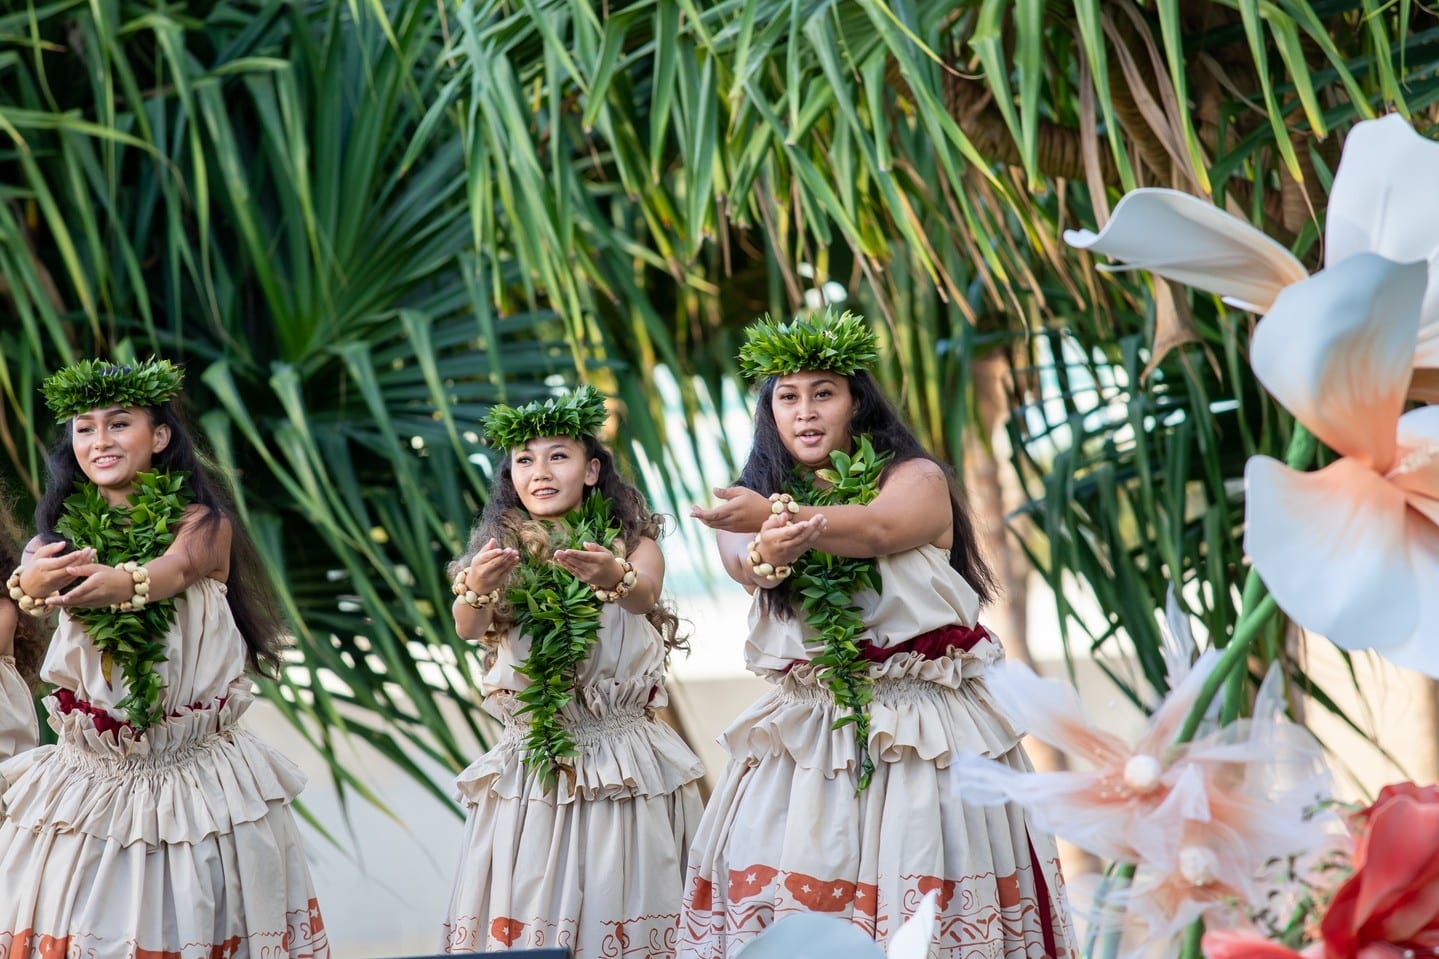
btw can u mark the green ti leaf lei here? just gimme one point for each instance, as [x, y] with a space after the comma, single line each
[826, 585]
[134, 640]
[561, 615]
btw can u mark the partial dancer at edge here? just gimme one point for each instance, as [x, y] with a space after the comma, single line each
[155, 826]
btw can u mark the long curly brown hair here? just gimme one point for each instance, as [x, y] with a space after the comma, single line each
[32, 635]
[506, 520]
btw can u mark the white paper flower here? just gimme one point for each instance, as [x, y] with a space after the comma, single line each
[1351, 551]
[1384, 200]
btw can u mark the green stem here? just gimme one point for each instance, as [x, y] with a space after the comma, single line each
[1257, 608]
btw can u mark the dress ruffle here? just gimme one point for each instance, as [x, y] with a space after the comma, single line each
[623, 750]
[929, 709]
[194, 775]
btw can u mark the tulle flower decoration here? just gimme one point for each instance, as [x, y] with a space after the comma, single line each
[1202, 821]
[1382, 201]
[1387, 907]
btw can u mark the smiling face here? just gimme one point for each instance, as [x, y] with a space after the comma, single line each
[551, 473]
[812, 411]
[114, 444]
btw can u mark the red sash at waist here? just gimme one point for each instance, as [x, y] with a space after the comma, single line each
[930, 645]
[67, 702]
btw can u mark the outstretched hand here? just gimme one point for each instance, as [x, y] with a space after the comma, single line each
[594, 565]
[490, 568]
[782, 540]
[739, 510]
[51, 567]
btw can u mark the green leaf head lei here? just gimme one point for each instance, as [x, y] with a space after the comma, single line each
[838, 344]
[575, 415]
[100, 384]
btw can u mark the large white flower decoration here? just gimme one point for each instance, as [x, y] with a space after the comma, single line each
[1351, 551]
[1384, 200]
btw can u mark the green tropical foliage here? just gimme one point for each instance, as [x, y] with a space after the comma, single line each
[361, 224]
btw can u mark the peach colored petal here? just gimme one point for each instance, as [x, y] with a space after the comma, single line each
[1383, 201]
[1089, 809]
[1242, 944]
[1050, 711]
[1165, 723]
[1336, 352]
[1416, 465]
[1189, 240]
[1332, 547]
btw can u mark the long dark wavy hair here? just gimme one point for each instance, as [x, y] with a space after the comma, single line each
[506, 520]
[770, 465]
[32, 634]
[248, 589]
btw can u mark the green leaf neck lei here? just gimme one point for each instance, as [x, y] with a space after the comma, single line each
[560, 614]
[134, 639]
[826, 585]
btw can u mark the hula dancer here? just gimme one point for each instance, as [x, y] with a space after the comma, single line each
[579, 817]
[22, 641]
[867, 584]
[155, 826]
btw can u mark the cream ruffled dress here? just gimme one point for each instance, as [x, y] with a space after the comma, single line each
[178, 844]
[785, 832]
[18, 729]
[595, 864]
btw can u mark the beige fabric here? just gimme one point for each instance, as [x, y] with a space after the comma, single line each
[597, 863]
[18, 729]
[785, 831]
[176, 844]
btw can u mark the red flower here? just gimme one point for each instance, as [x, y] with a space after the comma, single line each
[1392, 899]
[1389, 905]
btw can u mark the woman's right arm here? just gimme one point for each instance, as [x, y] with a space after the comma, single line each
[486, 572]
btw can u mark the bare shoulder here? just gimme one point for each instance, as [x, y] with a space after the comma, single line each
[915, 472]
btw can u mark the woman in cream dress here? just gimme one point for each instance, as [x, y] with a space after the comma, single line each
[584, 850]
[791, 827]
[170, 838]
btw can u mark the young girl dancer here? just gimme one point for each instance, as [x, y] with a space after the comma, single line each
[580, 815]
[867, 582]
[155, 826]
[21, 639]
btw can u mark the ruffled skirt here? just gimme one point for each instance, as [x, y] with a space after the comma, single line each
[786, 833]
[596, 863]
[176, 845]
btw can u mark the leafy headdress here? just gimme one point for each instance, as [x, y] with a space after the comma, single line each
[100, 384]
[577, 415]
[838, 344]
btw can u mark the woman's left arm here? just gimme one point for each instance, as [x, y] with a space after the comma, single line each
[912, 509]
[199, 550]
